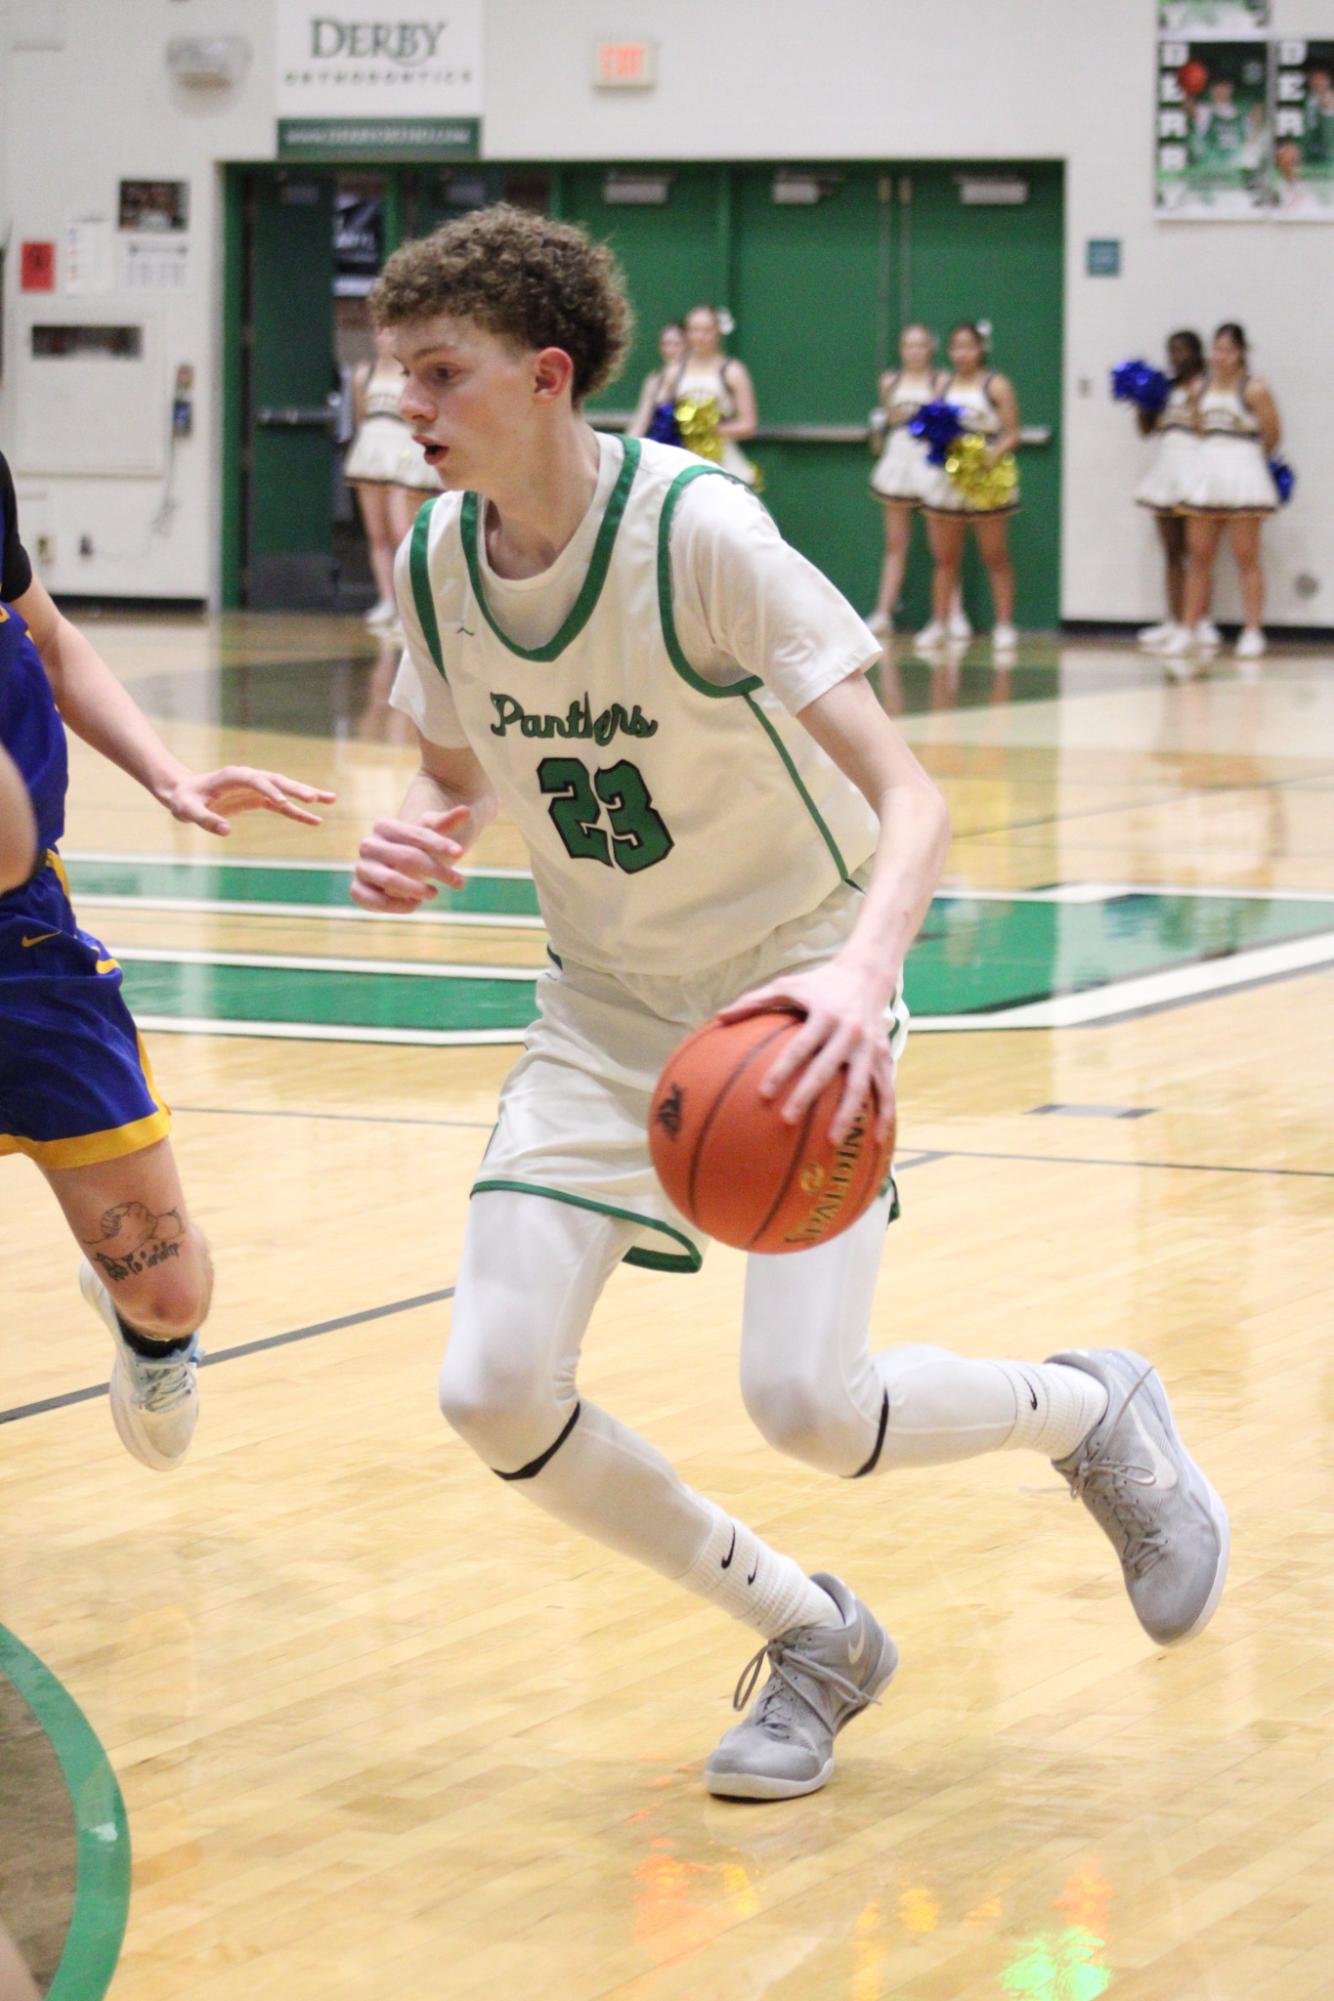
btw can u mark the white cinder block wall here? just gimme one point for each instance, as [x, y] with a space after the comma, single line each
[744, 79]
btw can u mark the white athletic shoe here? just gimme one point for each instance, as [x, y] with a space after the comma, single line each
[820, 1677]
[931, 637]
[1251, 644]
[881, 623]
[959, 625]
[1207, 636]
[383, 613]
[1153, 636]
[1004, 641]
[155, 1404]
[1180, 645]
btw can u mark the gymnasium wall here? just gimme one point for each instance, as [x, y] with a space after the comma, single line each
[742, 79]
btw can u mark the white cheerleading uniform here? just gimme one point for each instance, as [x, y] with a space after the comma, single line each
[1175, 465]
[982, 419]
[383, 452]
[1232, 474]
[903, 472]
[693, 382]
[689, 838]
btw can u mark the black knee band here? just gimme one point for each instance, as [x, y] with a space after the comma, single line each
[534, 1466]
[871, 1463]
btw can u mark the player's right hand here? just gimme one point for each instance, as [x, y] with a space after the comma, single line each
[400, 861]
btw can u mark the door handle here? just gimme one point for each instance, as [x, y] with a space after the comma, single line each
[299, 416]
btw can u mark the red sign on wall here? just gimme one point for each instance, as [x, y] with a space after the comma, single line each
[37, 267]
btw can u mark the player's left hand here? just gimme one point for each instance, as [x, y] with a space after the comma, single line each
[204, 799]
[845, 1024]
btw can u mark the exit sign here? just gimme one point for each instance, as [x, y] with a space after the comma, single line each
[625, 65]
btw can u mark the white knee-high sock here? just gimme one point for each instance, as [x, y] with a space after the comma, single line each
[942, 1407]
[758, 1585]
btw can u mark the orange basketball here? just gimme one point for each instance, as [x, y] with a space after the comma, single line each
[735, 1167]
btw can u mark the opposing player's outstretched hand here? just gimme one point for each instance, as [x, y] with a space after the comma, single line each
[205, 799]
[400, 861]
[845, 1024]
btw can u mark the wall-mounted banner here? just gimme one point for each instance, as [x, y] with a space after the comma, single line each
[1213, 143]
[379, 80]
[1198, 20]
[1302, 183]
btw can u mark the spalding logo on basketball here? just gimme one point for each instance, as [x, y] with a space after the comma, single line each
[734, 1166]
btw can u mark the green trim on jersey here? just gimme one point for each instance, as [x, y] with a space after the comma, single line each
[746, 689]
[675, 650]
[419, 571]
[652, 1260]
[591, 590]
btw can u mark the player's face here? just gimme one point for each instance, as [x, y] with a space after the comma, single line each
[916, 349]
[469, 397]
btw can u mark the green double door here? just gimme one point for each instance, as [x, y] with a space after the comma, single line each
[821, 267]
[819, 290]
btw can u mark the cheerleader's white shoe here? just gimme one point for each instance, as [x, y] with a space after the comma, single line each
[1004, 642]
[1208, 636]
[880, 623]
[1251, 644]
[959, 626]
[1154, 636]
[931, 637]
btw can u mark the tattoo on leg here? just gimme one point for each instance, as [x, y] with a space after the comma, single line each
[133, 1239]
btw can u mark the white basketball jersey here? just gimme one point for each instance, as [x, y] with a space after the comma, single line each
[672, 823]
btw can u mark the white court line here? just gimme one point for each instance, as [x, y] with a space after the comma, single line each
[258, 861]
[1179, 983]
[313, 1031]
[281, 963]
[480, 920]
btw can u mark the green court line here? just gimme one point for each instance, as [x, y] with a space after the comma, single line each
[322, 890]
[102, 1888]
[970, 959]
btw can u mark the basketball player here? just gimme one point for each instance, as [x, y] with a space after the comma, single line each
[611, 641]
[76, 1093]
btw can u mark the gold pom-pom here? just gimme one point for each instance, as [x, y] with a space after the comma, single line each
[983, 485]
[697, 419]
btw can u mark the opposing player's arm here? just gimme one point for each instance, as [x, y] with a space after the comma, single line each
[98, 708]
[845, 1001]
[18, 829]
[448, 804]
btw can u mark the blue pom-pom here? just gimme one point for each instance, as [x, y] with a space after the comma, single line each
[1284, 479]
[664, 429]
[940, 423]
[1138, 383]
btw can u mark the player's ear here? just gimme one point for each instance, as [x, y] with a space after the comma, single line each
[553, 374]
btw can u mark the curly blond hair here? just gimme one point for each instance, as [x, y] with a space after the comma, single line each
[531, 280]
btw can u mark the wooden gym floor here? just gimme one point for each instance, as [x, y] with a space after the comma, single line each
[381, 1728]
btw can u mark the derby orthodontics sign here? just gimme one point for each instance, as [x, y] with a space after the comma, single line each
[379, 79]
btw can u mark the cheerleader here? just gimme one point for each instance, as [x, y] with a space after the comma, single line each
[706, 371]
[1166, 484]
[671, 350]
[991, 411]
[902, 473]
[1232, 487]
[387, 470]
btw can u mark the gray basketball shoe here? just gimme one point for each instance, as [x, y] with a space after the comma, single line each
[155, 1403]
[1146, 1493]
[820, 1677]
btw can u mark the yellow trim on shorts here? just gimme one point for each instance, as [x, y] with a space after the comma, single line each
[91, 1149]
[53, 861]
